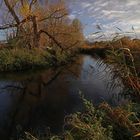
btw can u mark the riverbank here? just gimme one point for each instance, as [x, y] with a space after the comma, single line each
[101, 48]
[20, 59]
[123, 54]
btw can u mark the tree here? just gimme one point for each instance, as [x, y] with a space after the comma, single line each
[35, 21]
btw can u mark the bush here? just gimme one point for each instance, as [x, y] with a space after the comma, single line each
[19, 59]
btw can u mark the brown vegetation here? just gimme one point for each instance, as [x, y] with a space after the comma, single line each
[43, 27]
[40, 25]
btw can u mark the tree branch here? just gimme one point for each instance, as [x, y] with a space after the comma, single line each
[51, 37]
[32, 3]
[11, 10]
[8, 26]
[50, 16]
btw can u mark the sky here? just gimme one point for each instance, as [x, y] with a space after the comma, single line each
[109, 14]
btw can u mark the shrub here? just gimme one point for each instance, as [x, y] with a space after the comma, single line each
[19, 59]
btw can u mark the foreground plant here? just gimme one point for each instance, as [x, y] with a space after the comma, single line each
[86, 125]
[98, 123]
[124, 67]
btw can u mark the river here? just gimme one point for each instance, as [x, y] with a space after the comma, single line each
[35, 101]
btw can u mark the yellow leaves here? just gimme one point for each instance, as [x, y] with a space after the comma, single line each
[137, 135]
[25, 10]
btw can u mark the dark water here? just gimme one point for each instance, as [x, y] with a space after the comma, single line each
[41, 99]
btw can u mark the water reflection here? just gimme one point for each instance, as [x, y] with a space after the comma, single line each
[41, 100]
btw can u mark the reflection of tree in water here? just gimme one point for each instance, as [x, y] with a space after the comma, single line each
[40, 100]
[76, 67]
[25, 96]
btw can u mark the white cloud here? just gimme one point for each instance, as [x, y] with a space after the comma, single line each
[72, 16]
[85, 4]
[109, 13]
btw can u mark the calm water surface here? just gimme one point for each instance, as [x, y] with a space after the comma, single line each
[42, 99]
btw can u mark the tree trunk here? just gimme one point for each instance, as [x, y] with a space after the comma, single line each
[35, 33]
[52, 38]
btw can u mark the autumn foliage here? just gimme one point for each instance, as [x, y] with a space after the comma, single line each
[43, 25]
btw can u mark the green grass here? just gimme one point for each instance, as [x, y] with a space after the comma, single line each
[18, 59]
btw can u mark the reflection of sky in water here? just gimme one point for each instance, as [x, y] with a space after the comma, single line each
[93, 82]
[6, 98]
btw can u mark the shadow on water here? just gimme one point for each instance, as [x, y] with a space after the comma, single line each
[42, 99]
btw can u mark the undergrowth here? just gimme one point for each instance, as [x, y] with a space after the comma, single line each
[98, 123]
[18, 59]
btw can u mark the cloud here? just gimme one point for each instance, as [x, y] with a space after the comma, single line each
[85, 4]
[72, 16]
[109, 13]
